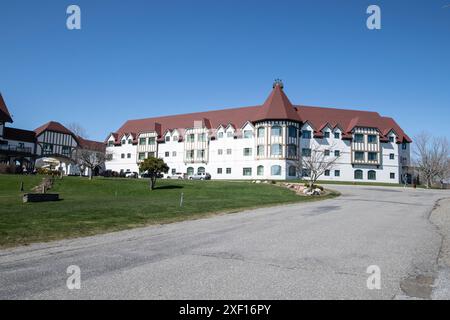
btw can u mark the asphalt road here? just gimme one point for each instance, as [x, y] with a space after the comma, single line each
[317, 250]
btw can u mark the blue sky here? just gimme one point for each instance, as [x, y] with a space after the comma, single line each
[136, 59]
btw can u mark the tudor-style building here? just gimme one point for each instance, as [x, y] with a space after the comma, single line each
[51, 145]
[266, 142]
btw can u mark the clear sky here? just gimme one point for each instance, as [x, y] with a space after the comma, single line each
[136, 59]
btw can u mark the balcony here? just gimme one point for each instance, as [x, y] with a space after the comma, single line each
[15, 149]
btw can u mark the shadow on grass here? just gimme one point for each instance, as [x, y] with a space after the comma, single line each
[168, 187]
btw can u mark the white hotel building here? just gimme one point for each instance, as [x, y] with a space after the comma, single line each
[266, 142]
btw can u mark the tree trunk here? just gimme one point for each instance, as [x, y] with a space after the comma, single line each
[90, 174]
[152, 183]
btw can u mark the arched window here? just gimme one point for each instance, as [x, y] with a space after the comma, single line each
[276, 131]
[260, 170]
[292, 171]
[372, 175]
[190, 171]
[201, 170]
[275, 170]
[261, 132]
[358, 174]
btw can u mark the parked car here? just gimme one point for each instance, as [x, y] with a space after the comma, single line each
[146, 175]
[131, 175]
[200, 176]
[177, 175]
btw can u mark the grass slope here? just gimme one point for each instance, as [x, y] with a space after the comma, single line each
[103, 205]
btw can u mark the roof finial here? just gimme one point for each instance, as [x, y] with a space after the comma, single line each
[278, 82]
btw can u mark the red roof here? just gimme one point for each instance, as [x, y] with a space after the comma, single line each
[53, 126]
[91, 145]
[276, 107]
[5, 116]
[19, 135]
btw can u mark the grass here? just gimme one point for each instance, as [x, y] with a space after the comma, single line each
[104, 205]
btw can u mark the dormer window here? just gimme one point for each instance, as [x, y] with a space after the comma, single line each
[175, 138]
[130, 141]
[248, 134]
[391, 139]
[124, 141]
[229, 134]
[167, 138]
[220, 135]
[337, 135]
[306, 134]
[110, 143]
[326, 134]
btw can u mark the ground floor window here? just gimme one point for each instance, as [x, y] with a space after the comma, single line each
[372, 175]
[201, 170]
[260, 170]
[247, 171]
[275, 170]
[358, 174]
[337, 173]
[292, 171]
[228, 171]
[392, 175]
[141, 155]
[190, 171]
[327, 173]
[174, 171]
[219, 170]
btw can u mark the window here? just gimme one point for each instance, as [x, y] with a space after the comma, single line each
[392, 175]
[130, 141]
[190, 171]
[306, 134]
[248, 134]
[327, 173]
[201, 170]
[124, 141]
[327, 153]
[306, 172]
[65, 149]
[371, 138]
[200, 154]
[337, 173]
[391, 156]
[261, 132]
[219, 152]
[110, 143]
[167, 138]
[190, 154]
[404, 146]
[201, 137]
[359, 155]
[337, 135]
[151, 140]
[391, 139]
[372, 175]
[358, 174]
[326, 134]
[219, 170]
[228, 151]
[141, 155]
[142, 141]
[229, 134]
[292, 132]
[247, 171]
[292, 150]
[292, 171]
[191, 137]
[306, 152]
[276, 131]
[175, 138]
[167, 154]
[359, 138]
[228, 170]
[151, 154]
[260, 150]
[372, 156]
[337, 153]
[174, 153]
[260, 170]
[128, 155]
[275, 150]
[122, 155]
[247, 152]
[220, 135]
[275, 170]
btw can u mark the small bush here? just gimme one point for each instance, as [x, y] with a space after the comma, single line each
[8, 168]
[49, 172]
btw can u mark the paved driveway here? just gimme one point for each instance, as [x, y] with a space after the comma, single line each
[302, 251]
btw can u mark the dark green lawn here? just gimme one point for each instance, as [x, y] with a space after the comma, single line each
[103, 205]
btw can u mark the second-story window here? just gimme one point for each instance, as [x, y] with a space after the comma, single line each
[292, 132]
[327, 153]
[247, 152]
[371, 138]
[276, 131]
[261, 132]
[337, 153]
[359, 155]
[260, 150]
[219, 152]
[151, 140]
[142, 141]
[292, 150]
[306, 134]
[373, 156]
[404, 146]
[128, 155]
[201, 137]
[275, 150]
[190, 154]
[167, 154]
[228, 151]
[306, 152]
[200, 154]
[359, 137]
[191, 137]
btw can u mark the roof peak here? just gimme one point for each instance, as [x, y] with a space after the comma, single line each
[5, 116]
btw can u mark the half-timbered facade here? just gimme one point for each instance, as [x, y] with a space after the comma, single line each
[266, 142]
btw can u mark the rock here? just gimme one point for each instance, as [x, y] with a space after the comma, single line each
[258, 181]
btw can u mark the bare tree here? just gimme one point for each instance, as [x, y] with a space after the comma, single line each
[89, 159]
[316, 163]
[431, 157]
[77, 129]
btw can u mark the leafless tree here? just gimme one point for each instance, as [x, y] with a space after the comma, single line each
[316, 163]
[77, 129]
[431, 157]
[89, 159]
